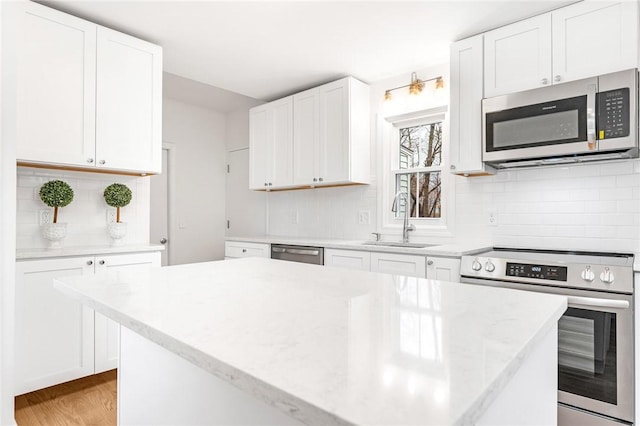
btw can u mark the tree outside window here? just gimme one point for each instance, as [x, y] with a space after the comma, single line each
[419, 170]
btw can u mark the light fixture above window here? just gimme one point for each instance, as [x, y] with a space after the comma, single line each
[415, 87]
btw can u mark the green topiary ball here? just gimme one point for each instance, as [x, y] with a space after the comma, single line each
[117, 195]
[56, 193]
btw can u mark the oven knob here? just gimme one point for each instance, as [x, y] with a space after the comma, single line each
[489, 266]
[607, 276]
[587, 274]
[476, 266]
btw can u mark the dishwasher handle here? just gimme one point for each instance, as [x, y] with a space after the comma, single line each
[306, 252]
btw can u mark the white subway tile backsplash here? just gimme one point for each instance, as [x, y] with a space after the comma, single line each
[86, 215]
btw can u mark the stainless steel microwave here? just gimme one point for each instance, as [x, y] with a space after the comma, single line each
[585, 120]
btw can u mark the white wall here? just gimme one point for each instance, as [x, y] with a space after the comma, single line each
[198, 134]
[86, 216]
[7, 209]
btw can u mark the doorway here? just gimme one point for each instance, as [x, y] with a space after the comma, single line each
[160, 214]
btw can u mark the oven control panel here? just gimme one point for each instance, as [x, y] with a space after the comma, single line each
[543, 272]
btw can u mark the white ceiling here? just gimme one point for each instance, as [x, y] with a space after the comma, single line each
[267, 49]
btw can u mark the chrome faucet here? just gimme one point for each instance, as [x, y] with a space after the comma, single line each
[406, 227]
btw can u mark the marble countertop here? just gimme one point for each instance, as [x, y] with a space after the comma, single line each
[43, 253]
[445, 250]
[329, 345]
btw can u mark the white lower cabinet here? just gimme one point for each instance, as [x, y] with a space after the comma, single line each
[349, 259]
[443, 268]
[237, 249]
[399, 264]
[107, 332]
[57, 338]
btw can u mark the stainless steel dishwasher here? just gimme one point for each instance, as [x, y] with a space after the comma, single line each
[302, 254]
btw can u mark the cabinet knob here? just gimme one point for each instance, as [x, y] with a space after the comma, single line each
[544, 81]
[557, 78]
[89, 262]
[102, 161]
[429, 262]
[452, 167]
[270, 184]
[266, 184]
[320, 179]
[101, 262]
[163, 241]
[244, 250]
[315, 180]
[89, 160]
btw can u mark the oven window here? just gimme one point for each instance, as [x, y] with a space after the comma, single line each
[549, 123]
[587, 354]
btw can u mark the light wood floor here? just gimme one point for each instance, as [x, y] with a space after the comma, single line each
[87, 401]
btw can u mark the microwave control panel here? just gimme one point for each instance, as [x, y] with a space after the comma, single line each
[613, 114]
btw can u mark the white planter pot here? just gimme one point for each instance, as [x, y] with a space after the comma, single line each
[117, 232]
[54, 233]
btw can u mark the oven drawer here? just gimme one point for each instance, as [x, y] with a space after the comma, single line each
[570, 416]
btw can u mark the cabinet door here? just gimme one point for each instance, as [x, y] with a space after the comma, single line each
[399, 264]
[54, 334]
[56, 87]
[107, 331]
[259, 146]
[594, 37]
[443, 268]
[466, 107]
[281, 164]
[234, 249]
[129, 103]
[333, 153]
[349, 259]
[305, 137]
[518, 56]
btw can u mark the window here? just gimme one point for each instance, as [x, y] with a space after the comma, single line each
[419, 173]
[415, 171]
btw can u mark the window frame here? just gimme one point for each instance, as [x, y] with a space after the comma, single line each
[389, 153]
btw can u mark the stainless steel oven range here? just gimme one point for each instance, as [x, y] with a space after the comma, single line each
[595, 335]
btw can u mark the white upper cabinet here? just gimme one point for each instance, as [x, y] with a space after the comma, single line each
[129, 103]
[578, 41]
[594, 37]
[88, 97]
[518, 56]
[329, 134]
[56, 87]
[466, 108]
[271, 145]
[306, 136]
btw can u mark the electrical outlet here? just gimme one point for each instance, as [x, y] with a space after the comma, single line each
[111, 215]
[46, 216]
[364, 218]
[493, 218]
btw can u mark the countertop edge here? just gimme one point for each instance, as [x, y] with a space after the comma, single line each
[441, 250]
[43, 253]
[479, 406]
[269, 394]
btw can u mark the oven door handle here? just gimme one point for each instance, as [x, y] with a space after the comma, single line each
[600, 303]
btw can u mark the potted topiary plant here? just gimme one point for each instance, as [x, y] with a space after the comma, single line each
[117, 195]
[56, 194]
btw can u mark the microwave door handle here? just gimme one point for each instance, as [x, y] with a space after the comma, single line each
[575, 301]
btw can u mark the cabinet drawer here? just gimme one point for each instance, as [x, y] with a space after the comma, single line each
[348, 259]
[399, 264]
[234, 249]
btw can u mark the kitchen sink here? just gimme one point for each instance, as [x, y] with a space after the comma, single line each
[397, 244]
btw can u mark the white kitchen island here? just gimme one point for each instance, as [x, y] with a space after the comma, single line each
[261, 341]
